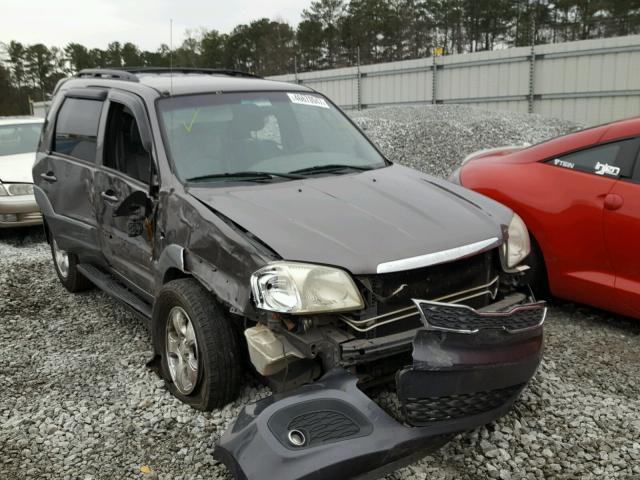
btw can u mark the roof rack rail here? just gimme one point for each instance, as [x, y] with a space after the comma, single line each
[107, 73]
[208, 71]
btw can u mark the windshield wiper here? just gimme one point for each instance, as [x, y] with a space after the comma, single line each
[248, 175]
[329, 169]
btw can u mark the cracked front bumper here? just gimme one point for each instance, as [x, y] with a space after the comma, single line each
[458, 380]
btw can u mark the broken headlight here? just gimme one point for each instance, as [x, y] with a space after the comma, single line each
[296, 288]
[517, 245]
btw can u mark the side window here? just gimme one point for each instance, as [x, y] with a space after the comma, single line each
[610, 160]
[123, 147]
[77, 128]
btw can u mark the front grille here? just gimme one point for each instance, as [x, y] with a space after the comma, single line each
[470, 281]
[461, 318]
[423, 411]
[324, 426]
[433, 282]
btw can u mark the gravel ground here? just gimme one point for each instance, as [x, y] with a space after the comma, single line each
[76, 400]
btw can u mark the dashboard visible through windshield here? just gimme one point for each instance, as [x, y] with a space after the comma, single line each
[261, 135]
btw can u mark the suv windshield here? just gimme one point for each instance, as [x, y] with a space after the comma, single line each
[214, 137]
[20, 138]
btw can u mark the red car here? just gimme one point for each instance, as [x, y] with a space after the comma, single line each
[579, 195]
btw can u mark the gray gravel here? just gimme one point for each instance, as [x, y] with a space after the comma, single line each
[76, 400]
[436, 139]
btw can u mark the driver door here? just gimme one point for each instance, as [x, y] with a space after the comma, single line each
[124, 209]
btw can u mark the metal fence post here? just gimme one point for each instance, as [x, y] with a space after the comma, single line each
[434, 79]
[532, 73]
[532, 59]
[358, 82]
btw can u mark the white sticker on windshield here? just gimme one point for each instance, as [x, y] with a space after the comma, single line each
[310, 100]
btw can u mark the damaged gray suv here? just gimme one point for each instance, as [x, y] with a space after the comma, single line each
[257, 228]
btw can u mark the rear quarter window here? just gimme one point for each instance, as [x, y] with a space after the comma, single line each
[614, 159]
[76, 128]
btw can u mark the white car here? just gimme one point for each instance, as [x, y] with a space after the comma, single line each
[18, 143]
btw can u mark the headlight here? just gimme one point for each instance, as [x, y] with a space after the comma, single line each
[455, 177]
[291, 287]
[518, 244]
[16, 189]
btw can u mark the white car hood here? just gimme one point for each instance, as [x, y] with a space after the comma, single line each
[17, 168]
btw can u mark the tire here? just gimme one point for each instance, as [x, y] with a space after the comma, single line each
[537, 277]
[216, 354]
[67, 270]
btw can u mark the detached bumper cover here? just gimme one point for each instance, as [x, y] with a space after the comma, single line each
[457, 381]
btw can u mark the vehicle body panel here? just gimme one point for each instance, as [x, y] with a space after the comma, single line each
[621, 232]
[589, 250]
[357, 221]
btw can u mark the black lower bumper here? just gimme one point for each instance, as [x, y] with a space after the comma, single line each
[331, 429]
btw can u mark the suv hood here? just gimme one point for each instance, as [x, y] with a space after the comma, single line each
[17, 168]
[358, 221]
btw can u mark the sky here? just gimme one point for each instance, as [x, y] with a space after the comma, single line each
[95, 23]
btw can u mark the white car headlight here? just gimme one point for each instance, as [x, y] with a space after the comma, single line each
[297, 288]
[16, 189]
[518, 245]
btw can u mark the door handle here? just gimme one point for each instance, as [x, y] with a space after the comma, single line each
[109, 196]
[613, 201]
[49, 177]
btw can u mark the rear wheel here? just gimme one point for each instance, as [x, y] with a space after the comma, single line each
[201, 361]
[65, 264]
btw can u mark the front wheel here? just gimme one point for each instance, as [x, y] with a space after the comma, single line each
[200, 355]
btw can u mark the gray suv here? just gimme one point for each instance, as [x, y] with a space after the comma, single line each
[257, 228]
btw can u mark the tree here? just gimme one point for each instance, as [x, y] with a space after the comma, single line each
[78, 57]
[17, 60]
[212, 48]
[328, 14]
[309, 39]
[131, 56]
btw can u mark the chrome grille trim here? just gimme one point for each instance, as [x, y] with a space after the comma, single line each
[368, 324]
[436, 258]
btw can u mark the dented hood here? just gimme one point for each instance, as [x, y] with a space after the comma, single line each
[358, 221]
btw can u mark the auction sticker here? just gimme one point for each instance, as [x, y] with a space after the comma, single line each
[311, 100]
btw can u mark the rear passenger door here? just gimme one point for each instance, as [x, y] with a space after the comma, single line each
[122, 187]
[66, 173]
[622, 234]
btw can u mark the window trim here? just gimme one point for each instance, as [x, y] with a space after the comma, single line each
[635, 174]
[635, 170]
[54, 131]
[136, 105]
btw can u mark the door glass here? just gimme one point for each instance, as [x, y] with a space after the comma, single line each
[124, 150]
[610, 160]
[77, 128]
